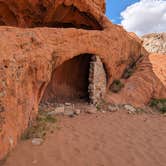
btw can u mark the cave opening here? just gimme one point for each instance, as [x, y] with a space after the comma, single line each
[70, 81]
[82, 79]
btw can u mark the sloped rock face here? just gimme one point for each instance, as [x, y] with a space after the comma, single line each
[29, 56]
[155, 43]
[159, 68]
[148, 81]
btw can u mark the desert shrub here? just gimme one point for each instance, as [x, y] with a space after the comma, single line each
[128, 73]
[40, 127]
[158, 104]
[131, 67]
[116, 86]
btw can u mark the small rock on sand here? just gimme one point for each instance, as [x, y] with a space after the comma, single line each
[91, 110]
[113, 108]
[130, 108]
[69, 113]
[58, 110]
[77, 111]
[37, 141]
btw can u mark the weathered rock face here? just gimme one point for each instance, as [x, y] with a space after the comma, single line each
[31, 58]
[155, 42]
[61, 13]
[148, 81]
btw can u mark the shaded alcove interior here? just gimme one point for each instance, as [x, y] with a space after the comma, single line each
[69, 81]
[61, 16]
[70, 16]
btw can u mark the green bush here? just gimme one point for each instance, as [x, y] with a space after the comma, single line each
[40, 127]
[116, 86]
[158, 104]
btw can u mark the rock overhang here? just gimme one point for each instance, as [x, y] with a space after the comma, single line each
[61, 13]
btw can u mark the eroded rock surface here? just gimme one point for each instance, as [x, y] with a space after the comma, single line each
[29, 56]
[148, 81]
[61, 13]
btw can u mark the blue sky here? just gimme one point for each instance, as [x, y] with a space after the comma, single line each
[139, 16]
[115, 7]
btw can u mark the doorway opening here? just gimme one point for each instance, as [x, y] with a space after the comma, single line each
[69, 81]
[80, 79]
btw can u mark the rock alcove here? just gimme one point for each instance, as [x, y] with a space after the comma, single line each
[80, 79]
[62, 17]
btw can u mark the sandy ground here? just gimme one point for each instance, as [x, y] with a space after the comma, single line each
[102, 139]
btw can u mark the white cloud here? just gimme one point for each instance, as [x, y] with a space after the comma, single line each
[145, 16]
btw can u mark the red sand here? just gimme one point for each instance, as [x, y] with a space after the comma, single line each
[110, 139]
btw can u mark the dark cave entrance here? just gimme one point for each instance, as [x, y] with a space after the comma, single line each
[70, 81]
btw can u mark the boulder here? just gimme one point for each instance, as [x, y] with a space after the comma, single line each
[37, 141]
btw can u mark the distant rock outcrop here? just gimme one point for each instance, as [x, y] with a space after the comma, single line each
[155, 42]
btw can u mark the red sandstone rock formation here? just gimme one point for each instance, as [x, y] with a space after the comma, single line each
[37, 13]
[148, 81]
[29, 56]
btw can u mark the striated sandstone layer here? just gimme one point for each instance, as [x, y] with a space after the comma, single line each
[30, 56]
[148, 81]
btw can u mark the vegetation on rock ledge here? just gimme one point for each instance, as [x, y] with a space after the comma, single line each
[158, 104]
[116, 86]
[42, 125]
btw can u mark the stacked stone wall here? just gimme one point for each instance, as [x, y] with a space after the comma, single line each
[97, 80]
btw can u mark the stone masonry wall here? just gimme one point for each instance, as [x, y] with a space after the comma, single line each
[97, 80]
